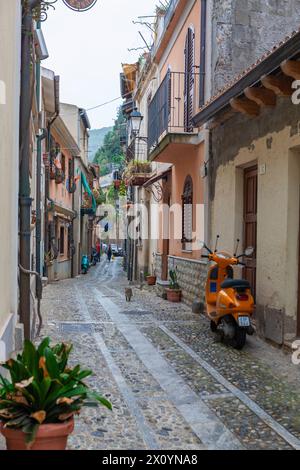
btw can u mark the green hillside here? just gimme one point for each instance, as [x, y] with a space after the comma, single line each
[96, 140]
[111, 153]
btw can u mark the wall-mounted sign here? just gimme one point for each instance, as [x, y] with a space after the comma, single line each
[80, 5]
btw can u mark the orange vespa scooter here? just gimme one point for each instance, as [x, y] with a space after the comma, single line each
[229, 301]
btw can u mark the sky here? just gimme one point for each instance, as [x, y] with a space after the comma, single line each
[86, 49]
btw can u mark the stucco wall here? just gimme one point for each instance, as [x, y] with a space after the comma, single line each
[243, 30]
[272, 141]
[10, 40]
[187, 161]
[175, 59]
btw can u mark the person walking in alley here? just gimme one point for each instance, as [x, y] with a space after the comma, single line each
[98, 249]
[109, 253]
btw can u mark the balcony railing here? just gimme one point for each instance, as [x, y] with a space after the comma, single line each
[170, 12]
[173, 107]
[137, 150]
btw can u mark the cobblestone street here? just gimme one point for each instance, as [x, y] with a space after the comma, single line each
[172, 384]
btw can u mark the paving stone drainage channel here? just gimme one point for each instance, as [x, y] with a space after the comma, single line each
[272, 427]
[205, 424]
[132, 403]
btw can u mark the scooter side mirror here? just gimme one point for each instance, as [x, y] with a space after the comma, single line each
[249, 251]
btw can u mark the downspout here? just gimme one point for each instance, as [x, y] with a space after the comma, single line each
[203, 53]
[25, 201]
[40, 138]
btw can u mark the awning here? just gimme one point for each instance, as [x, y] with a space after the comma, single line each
[128, 78]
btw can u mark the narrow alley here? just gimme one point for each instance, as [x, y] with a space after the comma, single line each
[172, 385]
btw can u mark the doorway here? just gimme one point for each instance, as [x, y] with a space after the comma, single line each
[298, 313]
[166, 244]
[250, 223]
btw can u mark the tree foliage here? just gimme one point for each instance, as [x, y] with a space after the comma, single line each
[111, 151]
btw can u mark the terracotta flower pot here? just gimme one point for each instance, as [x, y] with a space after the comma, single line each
[173, 295]
[49, 437]
[151, 280]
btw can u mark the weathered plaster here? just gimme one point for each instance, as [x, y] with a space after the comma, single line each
[269, 140]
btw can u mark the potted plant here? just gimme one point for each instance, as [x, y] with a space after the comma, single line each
[59, 176]
[151, 278]
[174, 291]
[38, 403]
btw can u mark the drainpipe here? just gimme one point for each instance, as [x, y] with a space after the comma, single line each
[203, 52]
[40, 138]
[25, 200]
[207, 183]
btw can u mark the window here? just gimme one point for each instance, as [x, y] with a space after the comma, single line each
[71, 168]
[187, 214]
[63, 163]
[189, 79]
[62, 240]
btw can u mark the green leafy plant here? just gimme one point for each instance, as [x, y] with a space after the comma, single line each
[43, 389]
[174, 280]
[99, 195]
[122, 189]
[138, 167]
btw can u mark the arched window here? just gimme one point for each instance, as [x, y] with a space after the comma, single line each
[187, 214]
[189, 79]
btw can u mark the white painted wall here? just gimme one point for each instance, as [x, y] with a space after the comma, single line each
[10, 54]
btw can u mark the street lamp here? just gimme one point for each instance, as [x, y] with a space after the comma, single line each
[135, 121]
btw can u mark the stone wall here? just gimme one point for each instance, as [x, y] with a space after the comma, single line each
[158, 265]
[191, 278]
[243, 30]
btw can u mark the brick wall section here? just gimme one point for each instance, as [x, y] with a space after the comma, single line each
[191, 278]
[245, 29]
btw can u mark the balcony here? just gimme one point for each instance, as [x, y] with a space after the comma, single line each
[137, 150]
[171, 111]
[170, 12]
[138, 173]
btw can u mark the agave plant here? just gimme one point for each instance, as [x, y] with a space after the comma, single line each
[43, 389]
[173, 280]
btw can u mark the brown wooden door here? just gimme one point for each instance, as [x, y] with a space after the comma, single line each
[298, 315]
[166, 246]
[250, 223]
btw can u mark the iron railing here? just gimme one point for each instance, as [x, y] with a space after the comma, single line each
[170, 12]
[173, 106]
[137, 150]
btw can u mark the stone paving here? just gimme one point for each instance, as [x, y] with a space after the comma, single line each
[171, 383]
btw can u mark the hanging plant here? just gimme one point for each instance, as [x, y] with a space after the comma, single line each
[99, 196]
[71, 185]
[112, 193]
[122, 189]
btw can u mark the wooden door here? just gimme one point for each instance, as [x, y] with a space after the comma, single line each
[166, 245]
[298, 314]
[250, 223]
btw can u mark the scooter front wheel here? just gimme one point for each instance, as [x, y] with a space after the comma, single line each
[213, 326]
[239, 340]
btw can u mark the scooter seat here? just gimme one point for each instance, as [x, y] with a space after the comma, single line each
[236, 284]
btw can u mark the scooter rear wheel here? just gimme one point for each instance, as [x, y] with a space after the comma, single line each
[239, 340]
[213, 327]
